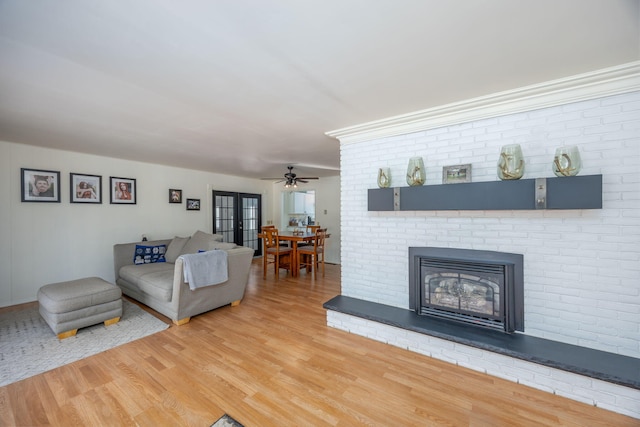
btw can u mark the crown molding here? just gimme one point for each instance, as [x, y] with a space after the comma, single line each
[596, 84]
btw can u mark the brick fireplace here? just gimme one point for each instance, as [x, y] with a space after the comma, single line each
[581, 267]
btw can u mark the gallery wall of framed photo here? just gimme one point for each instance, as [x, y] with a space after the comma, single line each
[175, 196]
[43, 185]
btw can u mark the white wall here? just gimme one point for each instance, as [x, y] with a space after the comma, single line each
[43, 243]
[582, 267]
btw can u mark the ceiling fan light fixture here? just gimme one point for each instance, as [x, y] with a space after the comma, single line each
[291, 179]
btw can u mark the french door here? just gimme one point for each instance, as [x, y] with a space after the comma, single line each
[237, 216]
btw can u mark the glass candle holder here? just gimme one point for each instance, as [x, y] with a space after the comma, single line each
[384, 178]
[511, 162]
[415, 172]
[567, 161]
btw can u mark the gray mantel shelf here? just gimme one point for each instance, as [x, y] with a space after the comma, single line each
[576, 192]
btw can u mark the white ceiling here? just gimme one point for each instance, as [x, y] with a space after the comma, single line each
[246, 87]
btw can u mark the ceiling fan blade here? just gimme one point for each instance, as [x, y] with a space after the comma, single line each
[291, 178]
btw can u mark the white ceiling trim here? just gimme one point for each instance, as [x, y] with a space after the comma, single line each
[596, 84]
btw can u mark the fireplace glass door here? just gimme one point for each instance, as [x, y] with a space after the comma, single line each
[468, 292]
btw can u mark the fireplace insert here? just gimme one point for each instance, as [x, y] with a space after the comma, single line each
[480, 288]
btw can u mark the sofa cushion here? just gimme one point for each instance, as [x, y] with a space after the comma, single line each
[153, 279]
[200, 241]
[223, 245]
[175, 248]
[145, 254]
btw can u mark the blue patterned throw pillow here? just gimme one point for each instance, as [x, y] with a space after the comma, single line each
[149, 254]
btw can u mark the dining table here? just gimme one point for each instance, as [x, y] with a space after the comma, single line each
[295, 237]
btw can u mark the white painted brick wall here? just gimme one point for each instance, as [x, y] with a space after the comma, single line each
[581, 267]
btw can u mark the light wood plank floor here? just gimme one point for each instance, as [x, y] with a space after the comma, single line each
[272, 361]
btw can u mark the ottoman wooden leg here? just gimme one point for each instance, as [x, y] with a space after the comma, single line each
[111, 321]
[63, 335]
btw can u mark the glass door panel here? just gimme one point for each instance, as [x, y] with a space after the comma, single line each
[224, 216]
[250, 221]
[237, 217]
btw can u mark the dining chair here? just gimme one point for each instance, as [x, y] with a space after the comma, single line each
[311, 256]
[273, 253]
[283, 242]
[310, 229]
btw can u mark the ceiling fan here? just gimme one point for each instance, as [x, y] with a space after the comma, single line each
[291, 179]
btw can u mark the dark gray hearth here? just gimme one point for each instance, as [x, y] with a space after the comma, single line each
[614, 368]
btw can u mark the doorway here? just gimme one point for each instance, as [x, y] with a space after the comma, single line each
[237, 217]
[299, 209]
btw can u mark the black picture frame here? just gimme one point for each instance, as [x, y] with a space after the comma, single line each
[84, 188]
[33, 183]
[193, 204]
[123, 190]
[175, 196]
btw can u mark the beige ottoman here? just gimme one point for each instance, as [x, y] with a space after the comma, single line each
[68, 306]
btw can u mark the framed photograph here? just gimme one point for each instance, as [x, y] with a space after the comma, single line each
[456, 174]
[38, 185]
[175, 196]
[85, 188]
[193, 204]
[123, 190]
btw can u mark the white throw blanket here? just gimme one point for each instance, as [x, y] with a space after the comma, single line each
[205, 268]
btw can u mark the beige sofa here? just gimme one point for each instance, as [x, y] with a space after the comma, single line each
[161, 285]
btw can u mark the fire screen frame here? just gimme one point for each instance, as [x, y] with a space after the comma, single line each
[513, 293]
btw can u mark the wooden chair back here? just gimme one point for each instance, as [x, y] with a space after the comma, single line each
[273, 253]
[311, 257]
[270, 238]
[318, 243]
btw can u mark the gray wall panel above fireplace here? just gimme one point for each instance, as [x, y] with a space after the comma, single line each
[578, 192]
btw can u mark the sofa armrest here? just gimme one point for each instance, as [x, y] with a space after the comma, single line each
[189, 303]
[123, 253]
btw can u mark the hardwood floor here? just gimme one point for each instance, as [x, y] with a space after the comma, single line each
[272, 361]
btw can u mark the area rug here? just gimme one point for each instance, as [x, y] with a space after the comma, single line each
[29, 347]
[226, 421]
